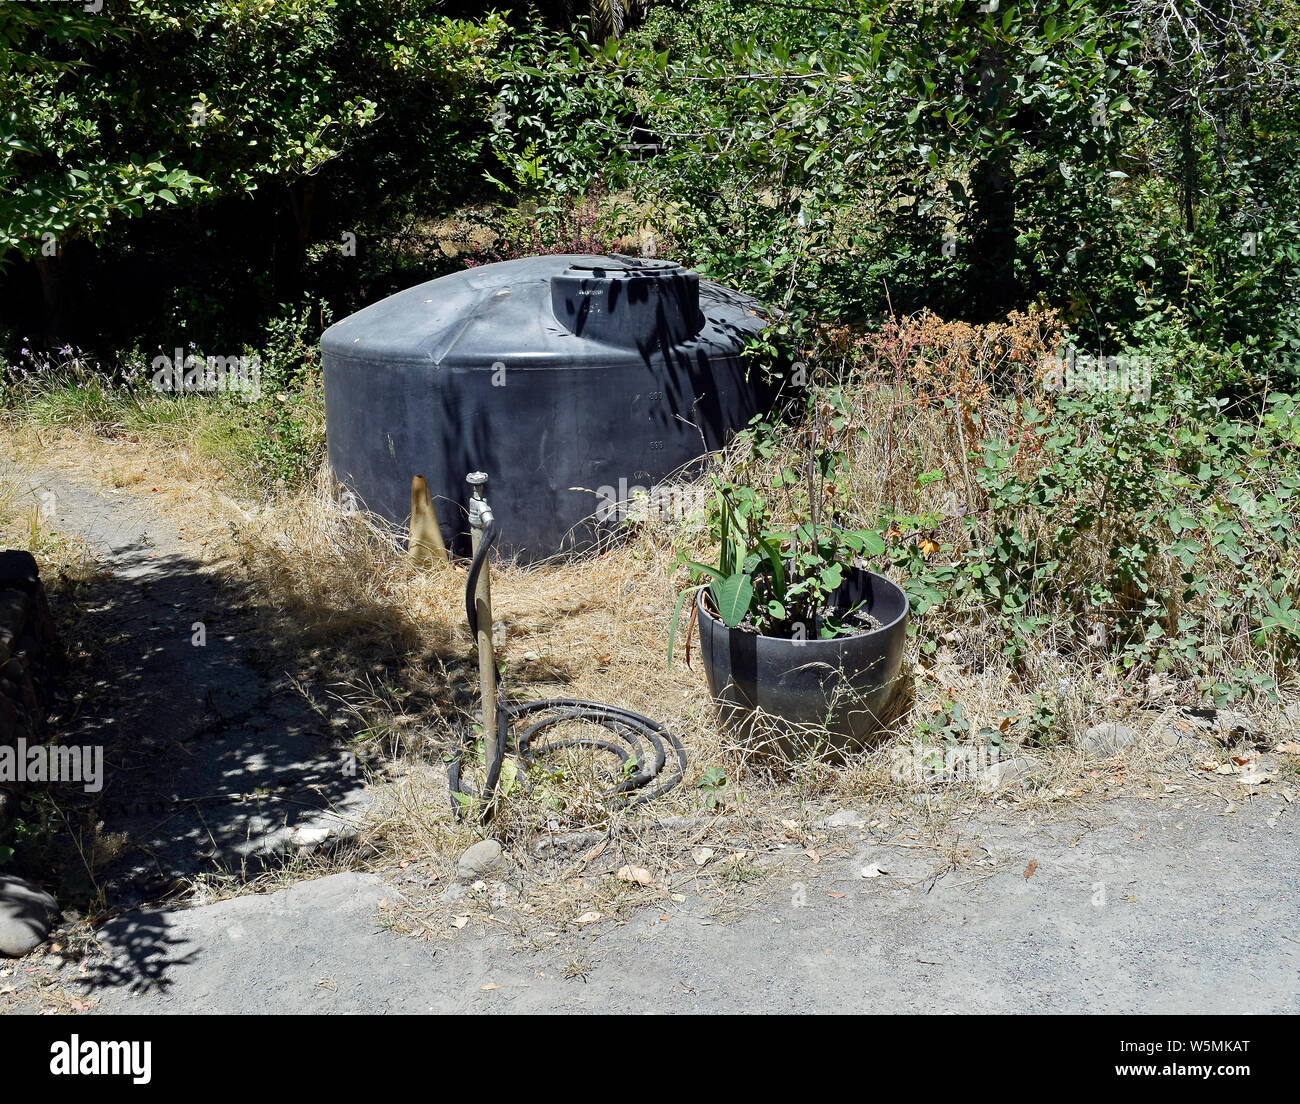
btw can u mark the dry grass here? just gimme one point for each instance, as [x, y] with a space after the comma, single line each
[388, 660]
[381, 650]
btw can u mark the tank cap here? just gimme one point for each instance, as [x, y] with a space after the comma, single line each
[621, 265]
[631, 302]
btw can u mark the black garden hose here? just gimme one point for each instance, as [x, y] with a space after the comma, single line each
[634, 738]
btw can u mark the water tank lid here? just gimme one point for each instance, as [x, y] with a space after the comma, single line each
[616, 263]
[565, 310]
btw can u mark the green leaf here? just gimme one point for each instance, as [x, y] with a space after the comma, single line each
[872, 542]
[732, 596]
[712, 779]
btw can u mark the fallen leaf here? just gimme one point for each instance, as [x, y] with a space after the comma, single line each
[1288, 747]
[816, 858]
[460, 921]
[1029, 870]
[588, 918]
[837, 896]
[594, 853]
[637, 874]
[701, 855]
[489, 986]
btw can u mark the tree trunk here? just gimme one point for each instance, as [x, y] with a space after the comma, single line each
[49, 271]
[994, 289]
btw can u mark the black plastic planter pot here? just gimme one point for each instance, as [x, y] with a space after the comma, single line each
[833, 693]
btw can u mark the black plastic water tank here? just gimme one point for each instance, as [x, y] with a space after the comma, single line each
[567, 378]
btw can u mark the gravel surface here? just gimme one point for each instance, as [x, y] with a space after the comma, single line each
[1138, 908]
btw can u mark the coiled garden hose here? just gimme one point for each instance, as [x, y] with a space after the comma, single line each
[634, 738]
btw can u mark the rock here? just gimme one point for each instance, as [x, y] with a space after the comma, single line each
[18, 571]
[479, 860]
[845, 818]
[1232, 723]
[26, 913]
[1227, 726]
[310, 837]
[1108, 739]
[1007, 772]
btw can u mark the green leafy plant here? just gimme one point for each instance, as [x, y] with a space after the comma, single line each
[713, 783]
[784, 580]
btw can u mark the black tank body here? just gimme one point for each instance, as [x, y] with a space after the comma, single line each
[572, 380]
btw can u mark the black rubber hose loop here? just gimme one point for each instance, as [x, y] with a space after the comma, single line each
[633, 734]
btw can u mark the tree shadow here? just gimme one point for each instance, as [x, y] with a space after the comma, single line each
[142, 952]
[212, 758]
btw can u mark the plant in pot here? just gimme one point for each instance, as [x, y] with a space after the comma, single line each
[802, 644]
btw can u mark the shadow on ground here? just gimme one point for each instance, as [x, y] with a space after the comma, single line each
[214, 764]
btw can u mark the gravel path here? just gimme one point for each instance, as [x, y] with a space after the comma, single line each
[1139, 908]
[211, 760]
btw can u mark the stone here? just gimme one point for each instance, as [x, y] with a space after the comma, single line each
[26, 913]
[845, 818]
[1007, 772]
[1108, 739]
[1233, 723]
[481, 859]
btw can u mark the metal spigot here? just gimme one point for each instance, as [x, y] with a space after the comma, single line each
[480, 517]
[480, 513]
